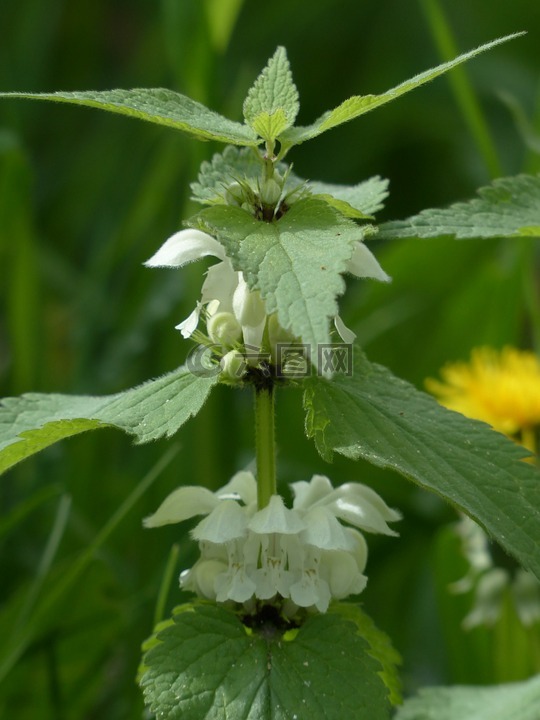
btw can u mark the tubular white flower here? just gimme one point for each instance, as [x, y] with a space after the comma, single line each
[303, 555]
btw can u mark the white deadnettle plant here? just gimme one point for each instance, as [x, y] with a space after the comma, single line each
[303, 554]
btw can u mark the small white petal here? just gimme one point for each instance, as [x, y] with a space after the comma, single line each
[306, 494]
[311, 590]
[359, 493]
[181, 504]
[363, 264]
[234, 585]
[362, 515]
[247, 304]
[184, 247]
[276, 518]
[324, 531]
[342, 573]
[188, 326]
[241, 486]
[360, 551]
[219, 286]
[226, 522]
[202, 577]
[343, 331]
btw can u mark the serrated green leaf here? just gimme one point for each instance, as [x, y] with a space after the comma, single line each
[343, 207]
[225, 168]
[235, 165]
[272, 103]
[509, 207]
[378, 417]
[296, 262]
[367, 197]
[155, 409]
[380, 645]
[512, 701]
[160, 106]
[209, 665]
[360, 104]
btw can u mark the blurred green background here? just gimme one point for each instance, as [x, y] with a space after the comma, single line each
[86, 197]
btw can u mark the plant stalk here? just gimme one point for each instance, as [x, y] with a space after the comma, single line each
[265, 446]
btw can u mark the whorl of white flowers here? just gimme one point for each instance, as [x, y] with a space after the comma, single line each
[303, 555]
[236, 315]
[492, 583]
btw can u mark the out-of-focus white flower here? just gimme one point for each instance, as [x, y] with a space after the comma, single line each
[233, 312]
[490, 582]
[302, 554]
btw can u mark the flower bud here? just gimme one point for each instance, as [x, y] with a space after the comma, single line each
[270, 192]
[224, 328]
[234, 194]
[234, 365]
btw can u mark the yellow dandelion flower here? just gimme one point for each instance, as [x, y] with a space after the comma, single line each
[501, 388]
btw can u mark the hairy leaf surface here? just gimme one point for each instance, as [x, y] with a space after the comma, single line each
[272, 103]
[296, 262]
[206, 664]
[375, 416]
[512, 701]
[157, 105]
[360, 104]
[155, 409]
[508, 208]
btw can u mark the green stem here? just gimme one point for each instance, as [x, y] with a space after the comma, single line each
[461, 86]
[265, 445]
[166, 582]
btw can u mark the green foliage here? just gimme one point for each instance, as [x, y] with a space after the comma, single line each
[226, 168]
[160, 106]
[378, 417]
[295, 263]
[364, 199]
[206, 663]
[153, 410]
[272, 103]
[380, 646]
[81, 315]
[361, 104]
[519, 701]
[270, 108]
[509, 208]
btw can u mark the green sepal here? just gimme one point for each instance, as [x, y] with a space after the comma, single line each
[155, 409]
[207, 663]
[378, 417]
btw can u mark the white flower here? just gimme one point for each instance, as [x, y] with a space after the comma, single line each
[303, 554]
[234, 312]
[491, 583]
